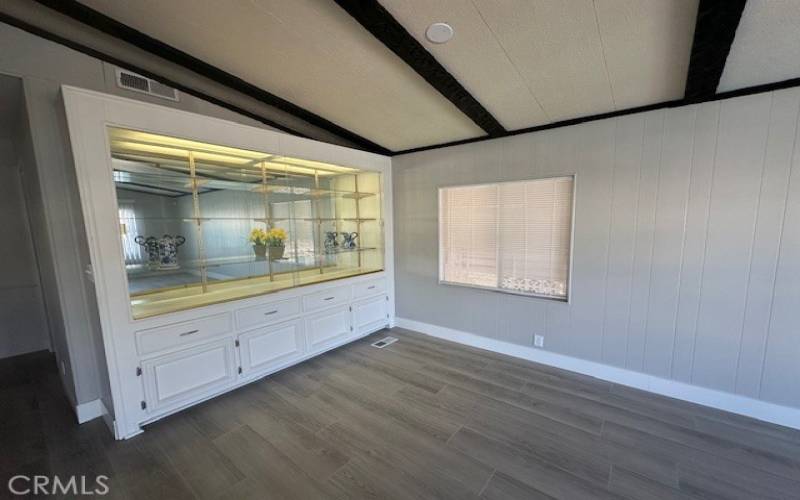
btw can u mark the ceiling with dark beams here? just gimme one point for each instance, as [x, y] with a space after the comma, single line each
[366, 67]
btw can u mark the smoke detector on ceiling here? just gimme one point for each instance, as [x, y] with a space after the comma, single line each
[439, 33]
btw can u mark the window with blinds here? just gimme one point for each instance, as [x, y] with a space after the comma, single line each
[509, 236]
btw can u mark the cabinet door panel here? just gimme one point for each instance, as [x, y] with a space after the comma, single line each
[267, 348]
[188, 374]
[370, 315]
[328, 328]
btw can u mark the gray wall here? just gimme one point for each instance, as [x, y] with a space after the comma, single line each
[686, 250]
[23, 326]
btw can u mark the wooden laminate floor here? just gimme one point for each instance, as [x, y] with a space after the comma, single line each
[422, 418]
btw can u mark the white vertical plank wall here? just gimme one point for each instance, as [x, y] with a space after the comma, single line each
[686, 261]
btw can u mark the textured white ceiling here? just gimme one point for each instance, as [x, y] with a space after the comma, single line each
[531, 62]
[309, 52]
[766, 48]
[474, 57]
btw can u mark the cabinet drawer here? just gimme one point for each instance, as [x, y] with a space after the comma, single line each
[188, 374]
[267, 348]
[370, 315]
[367, 288]
[178, 334]
[327, 298]
[267, 313]
[328, 328]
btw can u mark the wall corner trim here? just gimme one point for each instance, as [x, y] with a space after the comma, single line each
[734, 403]
[90, 410]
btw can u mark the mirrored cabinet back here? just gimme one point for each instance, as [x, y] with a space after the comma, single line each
[202, 223]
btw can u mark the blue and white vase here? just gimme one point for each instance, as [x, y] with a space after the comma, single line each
[331, 243]
[168, 251]
[349, 240]
[150, 244]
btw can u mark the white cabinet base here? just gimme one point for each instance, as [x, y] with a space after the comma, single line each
[262, 351]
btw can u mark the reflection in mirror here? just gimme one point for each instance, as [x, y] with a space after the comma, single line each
[203, 223]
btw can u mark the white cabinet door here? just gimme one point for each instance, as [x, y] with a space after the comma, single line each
[328, 328]
[270, 347]
[189, 374]
[370, 315]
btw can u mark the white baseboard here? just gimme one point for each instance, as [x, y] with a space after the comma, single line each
[90, 410]
[734, 403]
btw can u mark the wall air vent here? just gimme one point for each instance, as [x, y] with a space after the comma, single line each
[131, 81]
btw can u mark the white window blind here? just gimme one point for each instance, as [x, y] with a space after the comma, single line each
[510, 236]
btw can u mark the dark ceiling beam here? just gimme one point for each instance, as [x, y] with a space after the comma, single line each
[383, 26]
[110, 26]
[756, 89]
[714, 32]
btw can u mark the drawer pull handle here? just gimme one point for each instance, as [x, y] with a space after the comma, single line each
[192, 332]
[270, 312]
[371, 287]
[329, 298]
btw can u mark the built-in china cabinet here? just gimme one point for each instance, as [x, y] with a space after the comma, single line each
[222, 253]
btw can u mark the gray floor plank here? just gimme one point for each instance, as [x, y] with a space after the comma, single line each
[415, 444]
[778, 445]
[531, 470]
[433, 478]
[604, 407]
[278, 475]
[504, 487]
[422, 418]
[196, 459]
[492, 394]
[440, 405]
[315, 456]
[728, 473]
[638, 487]
[408, 374]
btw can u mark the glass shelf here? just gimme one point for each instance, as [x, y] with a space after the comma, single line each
[186, 211]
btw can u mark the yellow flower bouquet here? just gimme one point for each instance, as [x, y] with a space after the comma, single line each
[274, 239]
[258, 237]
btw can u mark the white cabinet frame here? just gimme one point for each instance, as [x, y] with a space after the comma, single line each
[89, 114]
